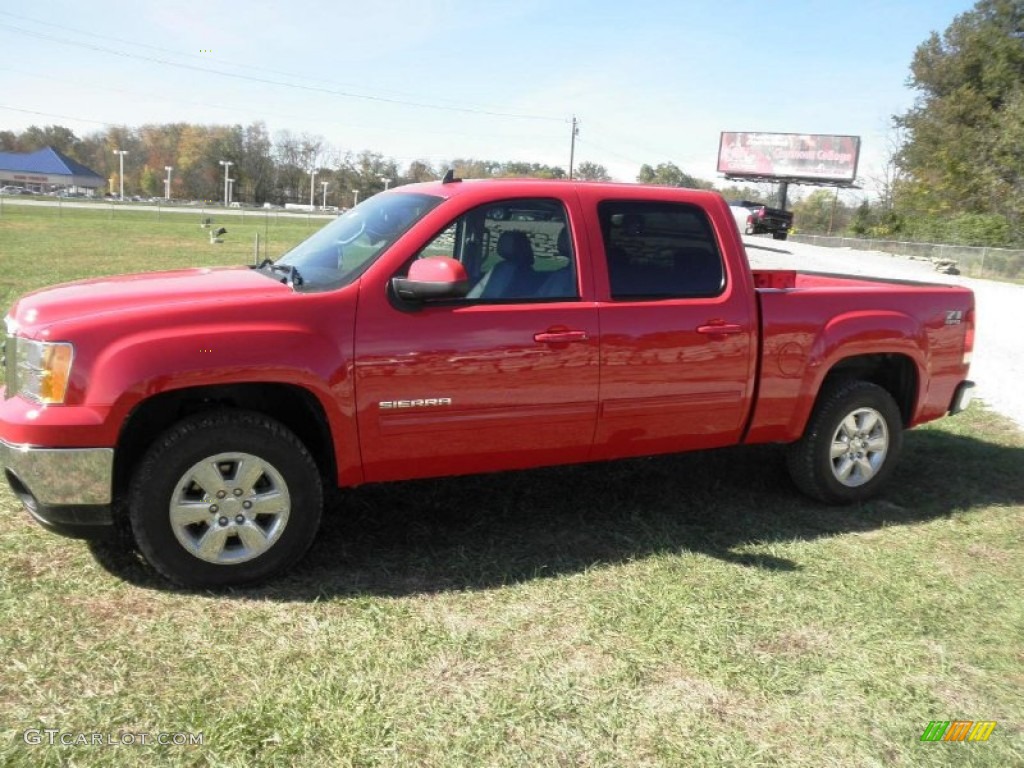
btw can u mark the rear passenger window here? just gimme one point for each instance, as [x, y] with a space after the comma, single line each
[660, 250]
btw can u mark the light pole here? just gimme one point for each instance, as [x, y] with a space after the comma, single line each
[167, 184]
[572, 143]
[227, 164]
[312, 185]
[387, 182]
[323, 204]
[231, 190]
[355, 197]
[120, 176]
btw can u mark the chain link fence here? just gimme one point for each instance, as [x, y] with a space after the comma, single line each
[970, 260]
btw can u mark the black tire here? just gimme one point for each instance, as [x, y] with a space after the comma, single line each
[780, 235]
[868, 451]
[261, 507]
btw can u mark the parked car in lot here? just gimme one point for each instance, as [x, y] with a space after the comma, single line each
[202, 413]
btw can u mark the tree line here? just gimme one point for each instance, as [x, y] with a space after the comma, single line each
[280, 168]
[956, 166]
[277, 169]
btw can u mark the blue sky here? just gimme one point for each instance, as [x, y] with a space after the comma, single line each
[436, 79]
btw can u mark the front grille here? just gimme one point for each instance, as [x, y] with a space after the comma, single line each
[10, 368]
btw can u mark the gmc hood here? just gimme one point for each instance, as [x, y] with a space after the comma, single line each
[144, 292]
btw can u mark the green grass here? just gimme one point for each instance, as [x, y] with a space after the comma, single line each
[685, 610]
[41, 246]
[688, 610]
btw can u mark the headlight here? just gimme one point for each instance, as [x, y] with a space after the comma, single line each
[41, 370]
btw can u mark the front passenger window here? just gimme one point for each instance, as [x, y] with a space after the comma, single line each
[515, 250]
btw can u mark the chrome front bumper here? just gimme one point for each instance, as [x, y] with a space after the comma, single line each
[68, 490]
[61, 475]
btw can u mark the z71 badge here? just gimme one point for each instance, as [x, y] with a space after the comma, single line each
[424, 402]
[954, 317]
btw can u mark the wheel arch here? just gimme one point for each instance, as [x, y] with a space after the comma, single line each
[295, 407]
[892, 371]
[887, 348]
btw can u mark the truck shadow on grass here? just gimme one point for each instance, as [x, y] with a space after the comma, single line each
[487, 531]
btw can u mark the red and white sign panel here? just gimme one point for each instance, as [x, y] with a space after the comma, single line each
[789, 156]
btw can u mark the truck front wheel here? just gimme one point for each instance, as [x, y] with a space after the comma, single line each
[224, 499]
[850, 445]
[780, 235]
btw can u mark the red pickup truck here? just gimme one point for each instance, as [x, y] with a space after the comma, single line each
[450, 328]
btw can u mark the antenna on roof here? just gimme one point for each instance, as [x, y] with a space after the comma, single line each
[449, 177]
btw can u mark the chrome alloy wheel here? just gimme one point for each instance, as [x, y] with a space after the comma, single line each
[859, 447]
[229, 508]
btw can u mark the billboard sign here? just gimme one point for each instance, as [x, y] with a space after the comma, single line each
[793, 156]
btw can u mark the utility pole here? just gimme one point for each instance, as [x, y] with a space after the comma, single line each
[572, 145]
[323, 203]
[167, 184]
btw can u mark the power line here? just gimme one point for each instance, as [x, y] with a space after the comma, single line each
[227, 108]
[599, 148]
[267, 81]
[204, 57]
[52, 114]
[656, 153]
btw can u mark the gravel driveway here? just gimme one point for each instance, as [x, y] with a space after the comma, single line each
[998, 367]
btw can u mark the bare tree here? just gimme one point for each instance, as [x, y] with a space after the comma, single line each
[891, 174]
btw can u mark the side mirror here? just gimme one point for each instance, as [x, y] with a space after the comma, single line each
[433, 278]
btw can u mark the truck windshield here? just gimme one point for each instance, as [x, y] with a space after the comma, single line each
[341, 251]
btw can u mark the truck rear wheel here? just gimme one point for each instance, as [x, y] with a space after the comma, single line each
[850, 445]
[780, 235]
[224, 499]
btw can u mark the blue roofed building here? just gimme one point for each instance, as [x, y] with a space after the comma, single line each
[46, 169]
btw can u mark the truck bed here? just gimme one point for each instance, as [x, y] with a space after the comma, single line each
[807, 316]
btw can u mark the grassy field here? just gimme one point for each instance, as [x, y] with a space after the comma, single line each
[40, 246]
[689, 610]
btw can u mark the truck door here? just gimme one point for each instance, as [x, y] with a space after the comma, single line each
[678, 347]
[504, 378]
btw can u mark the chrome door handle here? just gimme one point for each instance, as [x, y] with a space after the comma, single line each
[714, 329]
[559, 337]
